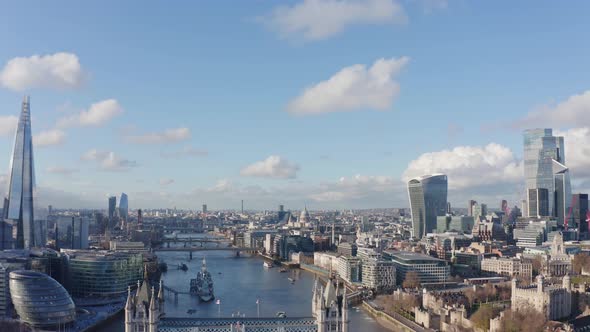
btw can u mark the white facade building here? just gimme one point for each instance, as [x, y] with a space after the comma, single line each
[378, 274]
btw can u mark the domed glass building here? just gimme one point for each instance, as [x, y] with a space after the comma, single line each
[39, 300]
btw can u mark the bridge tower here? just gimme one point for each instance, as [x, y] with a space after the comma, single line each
[330, 307]
[144, 309]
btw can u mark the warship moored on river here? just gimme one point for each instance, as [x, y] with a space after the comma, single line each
[202, 286]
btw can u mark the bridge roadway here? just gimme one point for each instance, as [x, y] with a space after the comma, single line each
[195, 239]
[191, 249]
[229, 324]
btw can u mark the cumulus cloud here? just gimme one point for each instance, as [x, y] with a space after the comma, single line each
[272, 167]
[353, 88]
[577, 151]
[166, 181]
[108, 160]
[167, 136]
[96, 115]
[319, 19]
[574, 111]
[62, 170]
[49, 137]
[187, 151]
[57, 71]
[469, 166]
[8, 125]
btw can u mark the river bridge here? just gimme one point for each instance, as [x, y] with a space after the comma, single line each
[238, 324]
[191, 240]
[190, 250]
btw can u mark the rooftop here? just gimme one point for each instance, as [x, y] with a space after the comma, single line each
[412, 256]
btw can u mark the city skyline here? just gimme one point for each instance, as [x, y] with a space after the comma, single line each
[192, 119]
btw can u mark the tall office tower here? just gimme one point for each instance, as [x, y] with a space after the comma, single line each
[476, 211]
[504, 206]
[73, 232]
[139, 217]
[538, 202]
[112, 207]
[49, 210]
[22, 182]
[484, 209]
[124, 206]
[282, 212]
[544, 159]
[428, 199]
[470, 205]
[204, 208]
[563, 193]
[448, 207]
[580, 213]
[242, 206]
[524, 207]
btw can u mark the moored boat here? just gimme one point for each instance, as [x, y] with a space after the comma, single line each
[202, 286]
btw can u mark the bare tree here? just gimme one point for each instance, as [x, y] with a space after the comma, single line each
[523, 319]
[481, 318]
[412, 280]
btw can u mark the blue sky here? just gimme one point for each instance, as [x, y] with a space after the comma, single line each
[203, 91]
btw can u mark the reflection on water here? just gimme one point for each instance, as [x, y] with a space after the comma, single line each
[238, 283]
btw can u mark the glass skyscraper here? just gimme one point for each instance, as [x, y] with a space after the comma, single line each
[112, 207]
[544, 167]
[563, 193]
[22, 182]
[123, 206]
[428, 199]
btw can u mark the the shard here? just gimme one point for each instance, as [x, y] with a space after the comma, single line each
[22, 182]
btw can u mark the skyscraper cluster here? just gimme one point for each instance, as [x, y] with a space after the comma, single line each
[547, 177]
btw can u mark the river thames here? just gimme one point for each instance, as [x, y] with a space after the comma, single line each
[238, 283]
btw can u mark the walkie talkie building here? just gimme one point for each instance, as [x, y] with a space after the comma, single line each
[22, 182]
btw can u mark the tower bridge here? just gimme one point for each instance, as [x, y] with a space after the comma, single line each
[144, 311]
[291, 324]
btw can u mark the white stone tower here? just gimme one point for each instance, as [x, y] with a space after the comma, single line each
[330, 307]
[144, 309]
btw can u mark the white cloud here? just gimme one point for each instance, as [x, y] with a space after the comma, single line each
[320, 19]
[62, 170]
[222, 186]
[49, 137]
[469, 166]
[108, 161]
[353, 88]
[574, 111]
[187, 151]
[98, 114]
[8, 125]
[58, 71]
[166, 181]
[272, 167]
[167, 136]
[577, 151]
